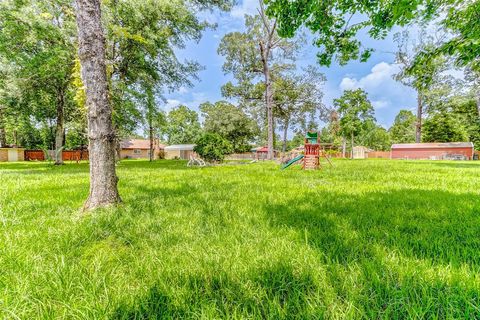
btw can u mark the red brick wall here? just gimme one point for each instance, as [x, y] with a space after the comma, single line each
[427, 153]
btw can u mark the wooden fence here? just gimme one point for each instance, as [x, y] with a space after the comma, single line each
[379, 154]
[74, 155]
[67, 155]
[31, 155]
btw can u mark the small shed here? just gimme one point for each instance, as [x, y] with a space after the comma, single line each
[12, 154]
[433, 151]
[361, 152]
[179, 151]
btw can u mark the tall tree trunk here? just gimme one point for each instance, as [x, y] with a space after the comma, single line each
[478, 101]
[3, 134]
[352, 146]
[418, 123]
[268, 102]
[101, 134]
[150, 115]
[344, 147]
[285, 132]
[150, 129]
[59, 128]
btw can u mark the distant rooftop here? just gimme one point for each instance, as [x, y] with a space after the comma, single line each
[180, 147]
[137, 144]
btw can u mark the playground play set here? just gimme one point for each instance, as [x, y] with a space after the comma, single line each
[311, 157]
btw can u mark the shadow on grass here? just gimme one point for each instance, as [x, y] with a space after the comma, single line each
[439, 226]
[446, 164]
[276, 293]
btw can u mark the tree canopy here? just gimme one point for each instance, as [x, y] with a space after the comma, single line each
[231, 123]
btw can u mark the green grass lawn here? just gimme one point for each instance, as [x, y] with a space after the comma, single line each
[366, 239]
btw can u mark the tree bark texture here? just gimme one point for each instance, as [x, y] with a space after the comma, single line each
[344, 147]
[351, 156]
[478, 101]
[418, 123]
[3, 134]
[59, 129]
[101, 134]
[268, 100]
[150, 131]
[285, 133]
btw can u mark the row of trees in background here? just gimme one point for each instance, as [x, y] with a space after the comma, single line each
[126, 61]
[42, 100]
[42, 95]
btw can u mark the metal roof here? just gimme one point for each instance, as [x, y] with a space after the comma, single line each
[432, 145]
[180, 147]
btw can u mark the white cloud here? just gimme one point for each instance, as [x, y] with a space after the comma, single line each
[348, 84]
[182, 90]
[246, 7]
[379, 104]
[380, 75]
[171, 103]
[383, 90]
[387, 95]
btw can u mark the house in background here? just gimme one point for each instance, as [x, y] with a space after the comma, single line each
[433, 151]
[140, 149]
[179, 151]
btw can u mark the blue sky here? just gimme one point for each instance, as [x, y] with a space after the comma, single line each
[374, 76]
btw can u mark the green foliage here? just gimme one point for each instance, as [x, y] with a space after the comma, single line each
[243, 57]
[453, 118]
[231, 123]
[76, 137]
[330, 21]
[298, 100]
[466, 109]
[356, 112]
[460, 19]
[444, 127]
[182, 126]
[367, 239]
[297, 140]
[403, 128]
[38, 44]
[337, 35]
[254, 58]
[375, 137]
[429, 75]
[212, 147]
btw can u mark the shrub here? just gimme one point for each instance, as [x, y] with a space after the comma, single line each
[212, 147]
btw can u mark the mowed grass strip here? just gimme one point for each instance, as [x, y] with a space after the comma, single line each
[365, 239]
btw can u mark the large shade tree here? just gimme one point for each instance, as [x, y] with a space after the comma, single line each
[230, 122]
[336, 33]
[101, 134]
[403, 128]
[356, 114]
[256, 54]
[38, 38]
[182, 126]
[298, 101]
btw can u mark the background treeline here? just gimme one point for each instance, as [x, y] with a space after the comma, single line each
[271, 100]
